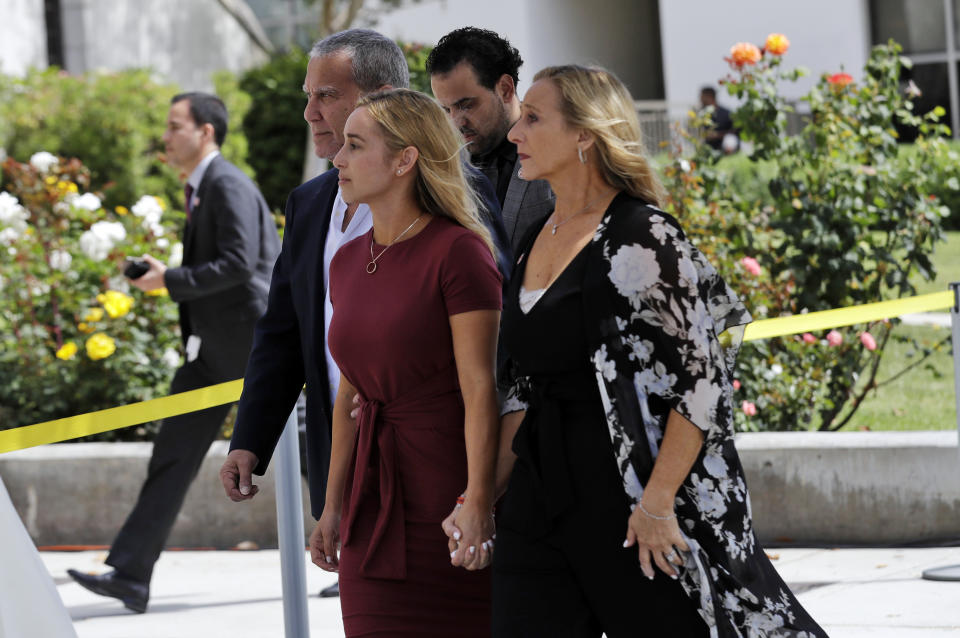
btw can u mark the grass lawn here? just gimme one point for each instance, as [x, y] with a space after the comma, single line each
[919, 400]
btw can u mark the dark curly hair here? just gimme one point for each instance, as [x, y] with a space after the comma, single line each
[489, 54]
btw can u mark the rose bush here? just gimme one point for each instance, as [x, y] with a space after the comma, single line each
[76, 336]
[843, 219]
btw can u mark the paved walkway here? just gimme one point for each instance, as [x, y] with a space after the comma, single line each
[854, 593]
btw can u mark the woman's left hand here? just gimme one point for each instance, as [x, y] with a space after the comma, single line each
[657, 541]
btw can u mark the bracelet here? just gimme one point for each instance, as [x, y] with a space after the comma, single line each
[654, 516]
[461, 500]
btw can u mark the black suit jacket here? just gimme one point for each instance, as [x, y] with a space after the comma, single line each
[229, 247]
[288, 345]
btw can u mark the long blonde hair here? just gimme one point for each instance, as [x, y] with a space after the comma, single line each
[409, 118]
[596, 101]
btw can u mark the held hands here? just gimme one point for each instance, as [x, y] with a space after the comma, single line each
[325, 541]
[657, 536]
[470, 531]
[236, 475]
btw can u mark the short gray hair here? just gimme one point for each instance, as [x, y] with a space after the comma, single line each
[375, 58]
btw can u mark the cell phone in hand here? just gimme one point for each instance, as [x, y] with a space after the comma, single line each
[135, 268]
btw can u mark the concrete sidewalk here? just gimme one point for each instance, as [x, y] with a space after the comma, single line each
[853, 593]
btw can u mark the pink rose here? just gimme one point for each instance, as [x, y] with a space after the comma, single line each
[809, 338]
[736, 384]
[750, 409]
[868, 341]
[751, 265]
[834, 338]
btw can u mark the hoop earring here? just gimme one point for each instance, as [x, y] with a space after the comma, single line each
[583, 159]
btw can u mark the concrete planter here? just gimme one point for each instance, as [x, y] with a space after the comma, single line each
[807, 488]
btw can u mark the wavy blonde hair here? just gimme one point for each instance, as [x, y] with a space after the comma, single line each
[596, 101]
[409, 118]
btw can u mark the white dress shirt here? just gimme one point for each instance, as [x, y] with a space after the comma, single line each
[197, 175]
[360, 223]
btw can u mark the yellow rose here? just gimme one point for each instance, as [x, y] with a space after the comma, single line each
[93, 314]
[67, 351]
[777, 43]
[160, 203]
[121, 210]
[100, 346]
[158, 292]
[85, 327]
[50, 180]
[115, 303]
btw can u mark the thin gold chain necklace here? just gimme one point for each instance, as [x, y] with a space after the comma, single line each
[557, 225]
[372, 266]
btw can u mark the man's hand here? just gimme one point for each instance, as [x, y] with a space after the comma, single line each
[235, 475]
[153, 278]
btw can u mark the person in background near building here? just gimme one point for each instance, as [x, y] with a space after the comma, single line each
[625, 509]
[290, 346]
[474, 74]
[721, 136]
[230, 244]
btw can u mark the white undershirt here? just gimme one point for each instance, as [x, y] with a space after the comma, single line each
[360, 223]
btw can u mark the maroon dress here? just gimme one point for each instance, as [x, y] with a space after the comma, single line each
[390, 336]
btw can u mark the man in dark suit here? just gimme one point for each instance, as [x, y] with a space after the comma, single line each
[474, 74]
[230, 244]
[290, 342]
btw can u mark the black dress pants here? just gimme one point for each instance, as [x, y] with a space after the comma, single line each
[571, 577]
[178, 451]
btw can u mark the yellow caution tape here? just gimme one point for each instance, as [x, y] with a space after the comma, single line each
[155, 409]
[866, 313]
[121, 417]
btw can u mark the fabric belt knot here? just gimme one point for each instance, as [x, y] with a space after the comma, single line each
[375, 459]
[540, 441]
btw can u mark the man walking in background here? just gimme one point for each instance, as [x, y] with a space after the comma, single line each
[230, 245]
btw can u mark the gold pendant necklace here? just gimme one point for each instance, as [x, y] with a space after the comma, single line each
[372, 266]
[557, 225]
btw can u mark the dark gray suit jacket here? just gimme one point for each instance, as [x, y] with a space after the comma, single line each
[229, 248]
[525, 204]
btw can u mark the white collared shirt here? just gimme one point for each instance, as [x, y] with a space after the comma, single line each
[197, 175]
[360, 223]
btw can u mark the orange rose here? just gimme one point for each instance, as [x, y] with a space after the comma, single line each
[744, 53]
[777, 43]
[839, 80]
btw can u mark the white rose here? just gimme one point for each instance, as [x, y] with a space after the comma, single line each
[87, 201]
[43, 160]
[176, 256]
[12, 213]
[634, 269]
[111, 231]
[163, 243]
[95, 246]
[8, 236]
[148, 207]
[60, 260]
[171, 357]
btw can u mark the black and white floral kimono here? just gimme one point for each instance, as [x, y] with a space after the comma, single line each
[655, 310]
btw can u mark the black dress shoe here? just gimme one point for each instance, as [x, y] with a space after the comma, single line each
[333, 591]
[132, 593]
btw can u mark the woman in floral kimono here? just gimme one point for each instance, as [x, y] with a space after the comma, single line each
[627, 511]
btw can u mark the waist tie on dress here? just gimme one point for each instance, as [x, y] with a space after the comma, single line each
[376, 453]
[540, 439]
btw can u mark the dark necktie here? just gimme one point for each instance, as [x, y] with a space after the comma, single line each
[188, 199]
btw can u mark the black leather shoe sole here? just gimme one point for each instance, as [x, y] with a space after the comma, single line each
[114, 587]
[333, 591]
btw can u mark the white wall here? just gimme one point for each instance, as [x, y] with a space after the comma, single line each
[23, 36]
[184, 41]
[825, 36]
[546, 32]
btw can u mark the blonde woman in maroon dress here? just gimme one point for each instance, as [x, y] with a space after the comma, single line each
[416, 310]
